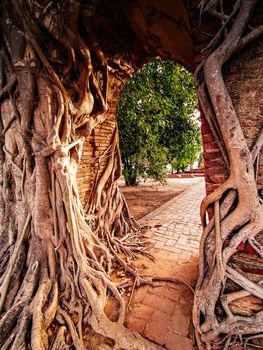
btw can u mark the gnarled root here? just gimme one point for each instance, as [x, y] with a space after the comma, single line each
[54, 264]
[238, 212]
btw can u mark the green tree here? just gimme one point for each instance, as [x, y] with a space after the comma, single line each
[184, 152]
[154, 118]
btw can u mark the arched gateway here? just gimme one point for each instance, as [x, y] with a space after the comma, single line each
[62, 64]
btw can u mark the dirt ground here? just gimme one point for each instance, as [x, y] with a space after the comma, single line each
[147, 196]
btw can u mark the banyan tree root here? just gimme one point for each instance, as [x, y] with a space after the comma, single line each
[54, 266]
[106, 208]
[238, 211]
[108, 214]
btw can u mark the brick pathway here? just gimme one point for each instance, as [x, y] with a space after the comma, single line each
[163, 313]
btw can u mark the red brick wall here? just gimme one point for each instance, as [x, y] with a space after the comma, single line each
[243, 77]
[244, 80]
[215, 169]
[98, 142]
[94, 147]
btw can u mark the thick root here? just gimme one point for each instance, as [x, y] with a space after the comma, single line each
[238, 214]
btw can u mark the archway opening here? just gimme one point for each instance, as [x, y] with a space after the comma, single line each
[56, 258]
[163, 183]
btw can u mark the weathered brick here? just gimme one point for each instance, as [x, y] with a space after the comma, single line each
[211, 146]
[139, 294]
[218, 178]
[160, 303]
[157, 290]
[178, 342]
[211, 154]
[180, 321]
[157, 327]
[142, 311]
[205, 129]
[170, 242]
[211, 187]
[185, 256]
[136, 324]
[208, 138]
[214, 163]
[216, 170]
[171, 293]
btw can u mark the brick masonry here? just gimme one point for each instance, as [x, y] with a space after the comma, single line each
[177, 226]
[163, 313]
[92, 162]
[93, 150]
[243, 76]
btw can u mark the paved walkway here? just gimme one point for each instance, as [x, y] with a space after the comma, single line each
[177, 222]
[163, 313]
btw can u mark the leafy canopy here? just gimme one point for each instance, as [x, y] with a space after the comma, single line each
[155, 121]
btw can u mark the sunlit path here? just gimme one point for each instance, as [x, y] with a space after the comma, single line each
[163, 313]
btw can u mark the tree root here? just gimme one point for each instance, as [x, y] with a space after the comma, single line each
[6, 282]
[64, 281]
[9, 86]
[213, 197]
[238, 212]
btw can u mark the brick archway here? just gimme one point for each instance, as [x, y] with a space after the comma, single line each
[172, 30]
[149, 26]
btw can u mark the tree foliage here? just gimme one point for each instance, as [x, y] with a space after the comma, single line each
[155, 121]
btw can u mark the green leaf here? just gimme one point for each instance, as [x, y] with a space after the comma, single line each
[155, 119]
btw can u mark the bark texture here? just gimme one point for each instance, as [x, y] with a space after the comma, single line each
[223, 286]
[55, 257]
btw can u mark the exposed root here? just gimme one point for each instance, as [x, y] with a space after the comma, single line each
[150, 281]
[55, 261]
[9, 86]
[213, 197]
[12, 261]
[257, 146]
[238, 211]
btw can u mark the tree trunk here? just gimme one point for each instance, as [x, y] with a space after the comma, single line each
[130, 172]
[54, 266]
[132, 180]
[238, 212]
